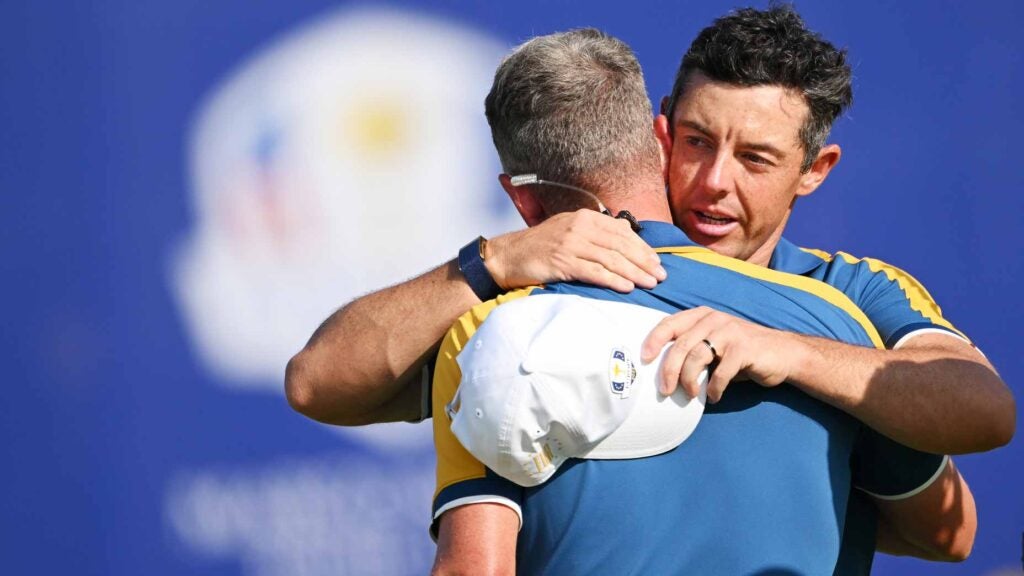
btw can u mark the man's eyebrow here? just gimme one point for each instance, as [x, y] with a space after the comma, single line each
[696, 126]
[764, 147]
[758, 146]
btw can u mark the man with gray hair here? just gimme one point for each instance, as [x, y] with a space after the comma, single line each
[585, 92]
[764, 485]
[745, 131]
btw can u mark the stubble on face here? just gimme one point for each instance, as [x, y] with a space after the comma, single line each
[734, 169]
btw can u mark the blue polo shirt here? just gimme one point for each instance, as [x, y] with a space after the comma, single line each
[762, 485]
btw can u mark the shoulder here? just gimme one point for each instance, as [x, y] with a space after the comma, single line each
[843, 265]
[467, 324]
[895, 301]
[726, 276]
[863, 277]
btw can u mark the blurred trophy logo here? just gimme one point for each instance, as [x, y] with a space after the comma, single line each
[343, 157]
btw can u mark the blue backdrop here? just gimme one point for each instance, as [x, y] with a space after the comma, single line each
[188, 187]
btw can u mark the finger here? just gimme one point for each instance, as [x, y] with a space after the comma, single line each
[611, 243]
[724, 373]
[619, 264]
[673, 359]
[699, 358]
[615, 263]
[588, 236]
[669, 329]
[598, 275]
[621, 239]
[671, 364]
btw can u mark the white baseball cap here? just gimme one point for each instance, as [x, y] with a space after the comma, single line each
[551, 377]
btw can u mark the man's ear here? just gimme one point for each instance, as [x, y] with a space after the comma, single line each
[664, 136]
[826, 160]
[526, 202]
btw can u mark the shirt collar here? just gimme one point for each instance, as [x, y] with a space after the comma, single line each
[788, 257]
[663, 235]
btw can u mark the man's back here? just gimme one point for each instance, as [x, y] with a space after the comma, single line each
[761, 484]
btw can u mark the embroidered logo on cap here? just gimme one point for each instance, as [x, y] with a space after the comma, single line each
[621, 372]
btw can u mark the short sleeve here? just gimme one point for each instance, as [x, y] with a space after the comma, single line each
[894, 301]
[891, 471]
[461, 478]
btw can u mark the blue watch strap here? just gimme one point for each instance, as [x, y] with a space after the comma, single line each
[471, 264]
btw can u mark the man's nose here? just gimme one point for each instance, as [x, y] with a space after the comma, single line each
[719, 174]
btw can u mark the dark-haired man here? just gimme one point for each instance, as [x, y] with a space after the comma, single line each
[720, 517]
[748, 117]
[742, 150]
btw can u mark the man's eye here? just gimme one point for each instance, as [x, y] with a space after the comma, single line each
[756, 159]
[695, 141]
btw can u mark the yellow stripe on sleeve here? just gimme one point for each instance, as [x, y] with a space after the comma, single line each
[454, 463]
[919, 298]
[809, 285]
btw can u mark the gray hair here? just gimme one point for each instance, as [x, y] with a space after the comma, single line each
[572, 107]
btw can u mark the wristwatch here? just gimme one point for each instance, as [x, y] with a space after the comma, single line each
[471, 264]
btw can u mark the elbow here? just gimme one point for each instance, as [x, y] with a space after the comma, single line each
[1002, 424]
[306, 393]
[959, 554]
[314, 396]
[298, 387]
[956, 548]
[1003, 418]
[995, 427]
[955, 542]
[1008, 423]
[950, 545]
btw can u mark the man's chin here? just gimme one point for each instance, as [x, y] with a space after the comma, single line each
[724, 245]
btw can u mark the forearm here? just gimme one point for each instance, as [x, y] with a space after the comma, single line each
[357, 367]
[362, 365]
[938, 395]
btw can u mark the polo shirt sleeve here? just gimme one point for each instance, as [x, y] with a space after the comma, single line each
[896, 303]
[891, 471]
[461, 478]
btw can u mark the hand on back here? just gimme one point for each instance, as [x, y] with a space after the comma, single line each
[585, 246]
[702, 337]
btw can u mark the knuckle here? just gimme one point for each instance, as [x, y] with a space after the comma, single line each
[663, 326]
[592, 269]
[625, 267]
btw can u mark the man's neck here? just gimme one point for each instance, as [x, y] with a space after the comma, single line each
[650, 203]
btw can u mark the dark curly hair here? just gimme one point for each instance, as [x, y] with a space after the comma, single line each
[751, 47]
